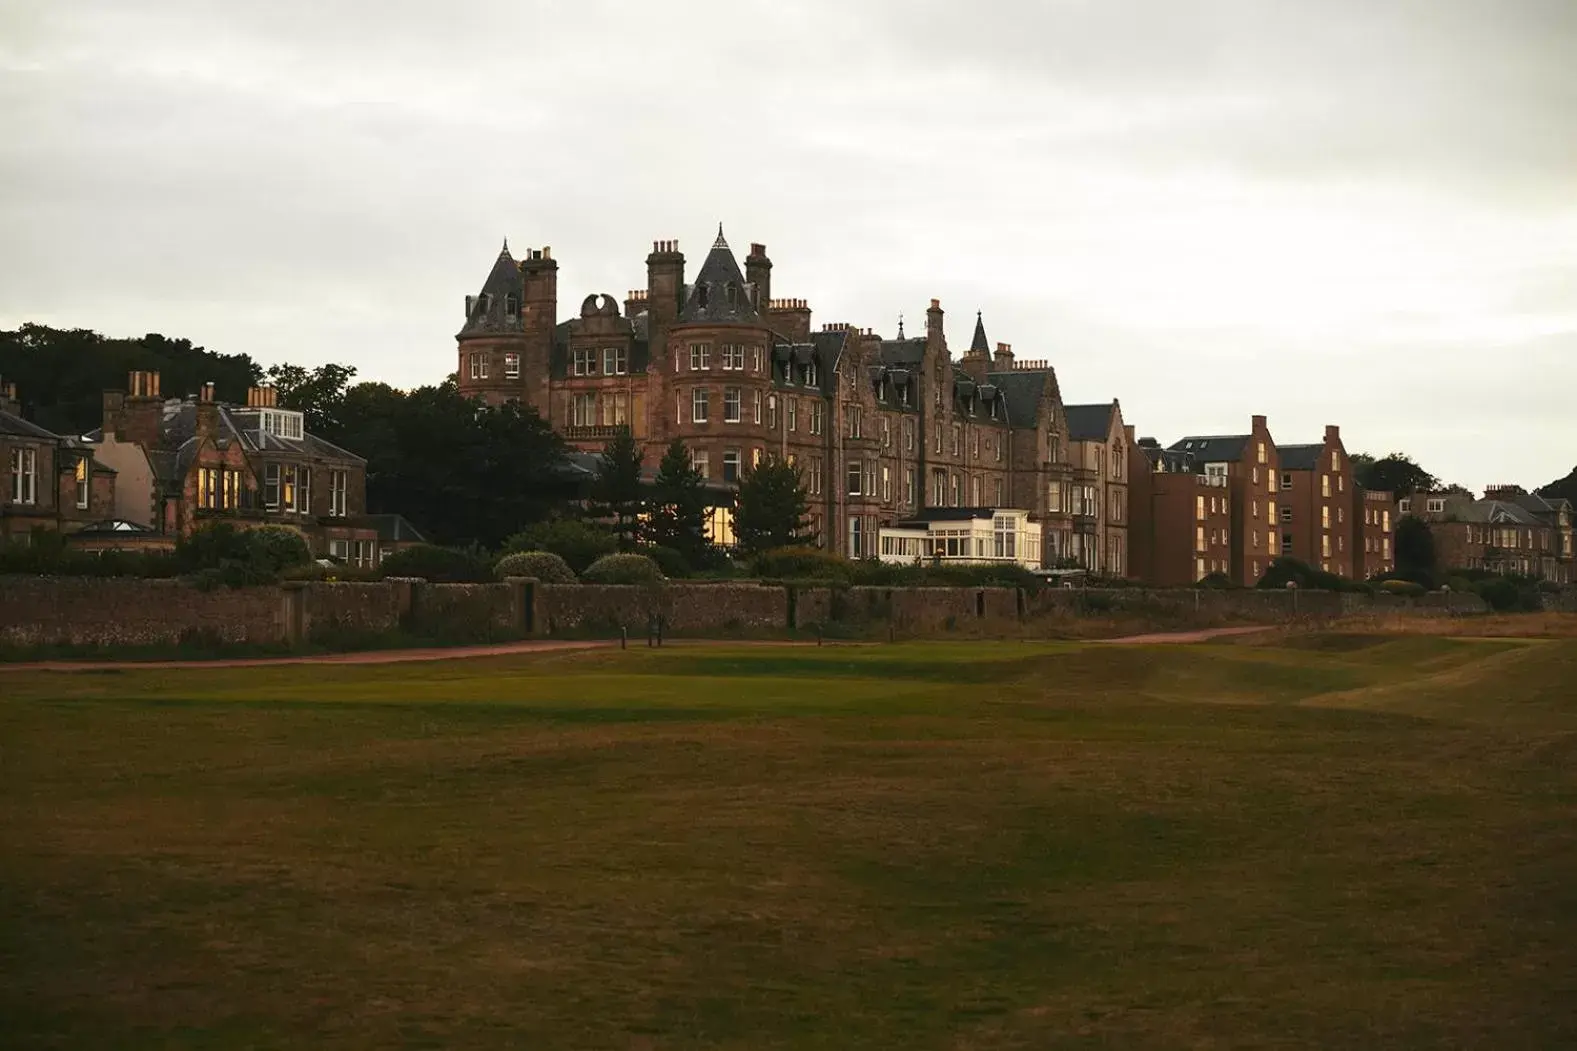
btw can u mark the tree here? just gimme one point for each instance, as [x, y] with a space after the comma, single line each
[62, 374]
[771, 509]
[678, 506]
[1416, 559]
[319, 394]
[1396, 473]
[617, 491]
[1562, 488]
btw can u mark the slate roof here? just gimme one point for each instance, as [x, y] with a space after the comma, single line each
[1172, 461]
[1299, 457]
[902, 353]
[1088, 423]
[1021, 390]
[1499, 511]
[979, 344]
[1213, 448]
[1542, 505]
[707, 299]
[394, 528]
[11, 423]
[946, 514]
[489, 314]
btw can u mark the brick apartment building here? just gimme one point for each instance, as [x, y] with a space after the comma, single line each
[1317, 492]
[880, 428]
[1180, 525]
[1373, 536]
[181, 462]
[1098, 442]
[1510, 531]
[52, 481]
[1248, 464]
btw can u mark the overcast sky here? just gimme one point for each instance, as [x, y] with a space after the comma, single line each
[1333, 211]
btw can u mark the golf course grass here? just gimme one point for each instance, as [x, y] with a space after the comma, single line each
[1323, 841]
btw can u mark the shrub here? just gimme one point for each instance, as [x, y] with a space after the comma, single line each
[577, 542]
[241, 557]
[441, 565]
[544, 565]
[48, 556]
[275, 548]
[1511, 595]
[803, 563]
[623, 569]
[1401, 587]
[1217, 581]
[671, 562]
[1283, 571]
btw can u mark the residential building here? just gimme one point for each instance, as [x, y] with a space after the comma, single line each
[1373, 537]
[972, 535]
[1180, 529]
[182, 462]
[1317, 494]
[52, 481]
[1097, 441]
[880, 428]
[1510, 531]
[1249, 464]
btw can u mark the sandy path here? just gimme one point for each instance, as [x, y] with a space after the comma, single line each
[508, 649]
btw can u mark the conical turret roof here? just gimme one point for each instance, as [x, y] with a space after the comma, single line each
[979, 345]
[489, 311]
[719, 292]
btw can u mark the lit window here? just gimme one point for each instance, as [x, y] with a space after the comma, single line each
[583, 410]
[82, 484]
[512, 366]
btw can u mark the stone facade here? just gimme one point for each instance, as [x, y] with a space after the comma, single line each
[879, 427]
[1510, 531]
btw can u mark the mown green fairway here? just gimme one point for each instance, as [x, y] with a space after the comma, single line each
[1340, 842]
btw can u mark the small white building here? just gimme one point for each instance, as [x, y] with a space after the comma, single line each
[963, 535]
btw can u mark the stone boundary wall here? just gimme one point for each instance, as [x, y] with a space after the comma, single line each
[43, 611]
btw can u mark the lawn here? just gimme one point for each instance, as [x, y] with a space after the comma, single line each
[1334, 841]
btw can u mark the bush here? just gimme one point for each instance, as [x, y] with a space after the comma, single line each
[623, 569]
[275, 548]
[241, 557]
[577, 542]
[441, 565]
[1401, 587]
[544, 565]
[671, 562]
[805, 563]
[1283, 571]
[47, 555]
[1215, 581]
[1511, 595]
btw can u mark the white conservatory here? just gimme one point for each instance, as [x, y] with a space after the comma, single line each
[963, 535]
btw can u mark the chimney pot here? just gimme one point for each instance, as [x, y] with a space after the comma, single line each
[1259, 423]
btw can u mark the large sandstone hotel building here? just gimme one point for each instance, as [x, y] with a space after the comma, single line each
[884, 430]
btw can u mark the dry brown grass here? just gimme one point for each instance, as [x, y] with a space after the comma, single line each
[1342, 841]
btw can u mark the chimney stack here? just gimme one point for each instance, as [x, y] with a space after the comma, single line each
[1259, 423]
[9, 402]
[139, 416]
[1002, 361]
[758, 271]
[1333, 433]
[207, 421]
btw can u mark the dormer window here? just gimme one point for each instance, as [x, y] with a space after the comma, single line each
[511, 306]
[281, 424]
[700, 295]
[731, 293]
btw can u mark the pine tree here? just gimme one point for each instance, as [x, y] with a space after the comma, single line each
[617, 491]
[678, 506]
[771, 509]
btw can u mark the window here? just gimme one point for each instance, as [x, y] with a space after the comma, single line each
[1341, 483]
[304, 501]
[1405, 505]
[339, 484]
[731, 465]
[731, 407]
[815, 484]
[1435, 505]
[1215, 470]
[1199, 569]
[271, 486]
[289, 494]
[208, 488]
[700, 356]
[615, 409]
[852, 423]
[855, 473]
[1325, 485]
[856, 537]
[702, 462]
[1259, 453]
[512, 366]
[1254, 505]
[1004, 537]
[938, 439]
[231, 485]
[1385, 521]
[585, 362]
[974, 445]
[998, 445]
[1255, 534]
[1199, 508]
[1341, 515]
[908, 486]
[811, 377]
[887, 484]
[1199, 538]
[755, 406]
[1286, 480]
[1286, 543]
[955, 444]
[793, 414]
[1054, 499]
[955, 489]
[908, 436]
[1255, 476]
[478, 366]
[1116, 514]
[1325, 517]
[996, 492]
[700, 406]
[583, 410]
[1325, 545]
[1286, 514]
[818, 413]
[733, 357]
[615, 361]
[83, 489]
[755, 359]
[887, 433]
[974, 491]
